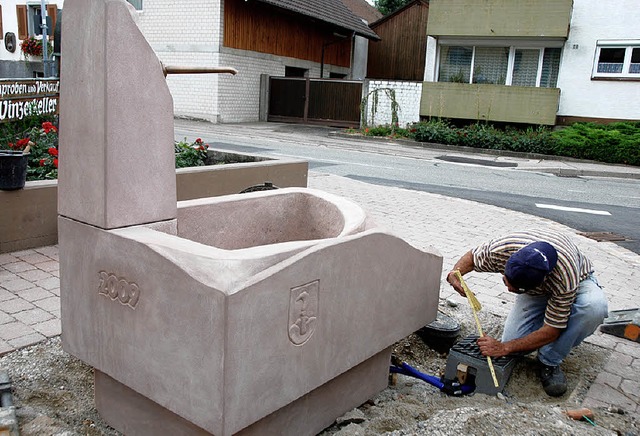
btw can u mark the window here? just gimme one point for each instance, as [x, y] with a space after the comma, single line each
[136, 4]
[295, 72]
[455, 64]
[35, 20]
[617, 59]
[490, 65]
[513, 66]
[30, 20]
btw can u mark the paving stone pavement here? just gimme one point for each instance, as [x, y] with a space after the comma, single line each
[30, 289]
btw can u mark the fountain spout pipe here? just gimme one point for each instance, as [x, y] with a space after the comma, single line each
[179, 69]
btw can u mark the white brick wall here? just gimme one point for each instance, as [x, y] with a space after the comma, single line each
[187, 33]
[407, 95]
[190, 33]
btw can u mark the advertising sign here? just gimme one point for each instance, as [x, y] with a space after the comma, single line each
[21, 98]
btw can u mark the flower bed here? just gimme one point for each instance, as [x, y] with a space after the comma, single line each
[28, 217]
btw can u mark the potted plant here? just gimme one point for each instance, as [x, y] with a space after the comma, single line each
[13, 164]
[34, 155]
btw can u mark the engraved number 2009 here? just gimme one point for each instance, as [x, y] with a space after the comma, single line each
[119, 289]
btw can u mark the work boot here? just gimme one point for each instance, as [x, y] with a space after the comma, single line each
[553, 380]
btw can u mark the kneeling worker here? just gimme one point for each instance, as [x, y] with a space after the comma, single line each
[559, 301]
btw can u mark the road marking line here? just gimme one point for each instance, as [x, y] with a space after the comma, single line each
[572, 209]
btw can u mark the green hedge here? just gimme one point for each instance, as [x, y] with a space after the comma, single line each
[611, 143]
[614, 143]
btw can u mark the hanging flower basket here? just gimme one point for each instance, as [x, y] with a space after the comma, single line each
[32, 47]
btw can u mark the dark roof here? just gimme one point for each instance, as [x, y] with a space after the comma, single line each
[329, 11]
[363, 9]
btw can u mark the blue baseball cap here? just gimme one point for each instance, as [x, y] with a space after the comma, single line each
[527, 267]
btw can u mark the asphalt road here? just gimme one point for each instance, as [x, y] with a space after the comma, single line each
[587, 204]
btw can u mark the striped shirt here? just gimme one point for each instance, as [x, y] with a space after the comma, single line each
[560, 286]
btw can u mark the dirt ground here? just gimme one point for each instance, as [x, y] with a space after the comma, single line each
[53, 393]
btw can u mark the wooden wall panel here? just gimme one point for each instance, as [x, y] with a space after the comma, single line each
[251, 25]
[23, 29]
[400, 55]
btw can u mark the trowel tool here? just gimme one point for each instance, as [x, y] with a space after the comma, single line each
[475, 307]
[449, 387]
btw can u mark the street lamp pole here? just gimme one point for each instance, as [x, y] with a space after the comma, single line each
[45, 49]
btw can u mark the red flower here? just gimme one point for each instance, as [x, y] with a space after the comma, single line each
[200, 147]
[43, 162]
[22, 142]
[198, 141]
[53, 151]
[55, 162]
[47, 127]
[12, 145]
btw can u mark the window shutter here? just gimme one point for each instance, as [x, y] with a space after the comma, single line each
[52, 13]
[23, 32]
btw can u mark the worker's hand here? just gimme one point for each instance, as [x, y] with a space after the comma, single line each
[492, 347]
[452, 279]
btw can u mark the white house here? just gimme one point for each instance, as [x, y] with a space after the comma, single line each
[542, 62]
[599, 75]
[19, 20]
[257, 37]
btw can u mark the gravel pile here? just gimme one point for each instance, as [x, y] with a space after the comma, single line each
[53, 394]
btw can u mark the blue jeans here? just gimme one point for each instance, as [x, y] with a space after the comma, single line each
[587, 313]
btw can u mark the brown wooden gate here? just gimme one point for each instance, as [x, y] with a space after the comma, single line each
[331, 102]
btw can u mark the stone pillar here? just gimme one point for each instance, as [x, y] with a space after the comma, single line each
[116, 152]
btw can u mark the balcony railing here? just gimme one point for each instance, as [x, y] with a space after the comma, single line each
[512, 104]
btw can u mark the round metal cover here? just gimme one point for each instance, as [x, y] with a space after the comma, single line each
[266, 186]
[441, 334]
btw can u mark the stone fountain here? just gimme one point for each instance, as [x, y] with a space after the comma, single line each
[271, 312]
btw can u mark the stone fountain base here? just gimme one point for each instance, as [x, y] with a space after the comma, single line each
[131, 413]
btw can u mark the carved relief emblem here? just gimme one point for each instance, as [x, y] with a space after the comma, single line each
[303, 312]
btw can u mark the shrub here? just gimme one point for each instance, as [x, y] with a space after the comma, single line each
[613, 143]
[192, 154]
[43, 157]
[386, 130]
[438, 131]
[11, 132]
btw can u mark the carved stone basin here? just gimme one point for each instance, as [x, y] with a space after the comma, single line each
[265, 218]
[245, 310]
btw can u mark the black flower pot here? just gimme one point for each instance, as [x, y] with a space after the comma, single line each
[13, 170]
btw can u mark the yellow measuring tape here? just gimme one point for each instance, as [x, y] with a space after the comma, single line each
[475, 307]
